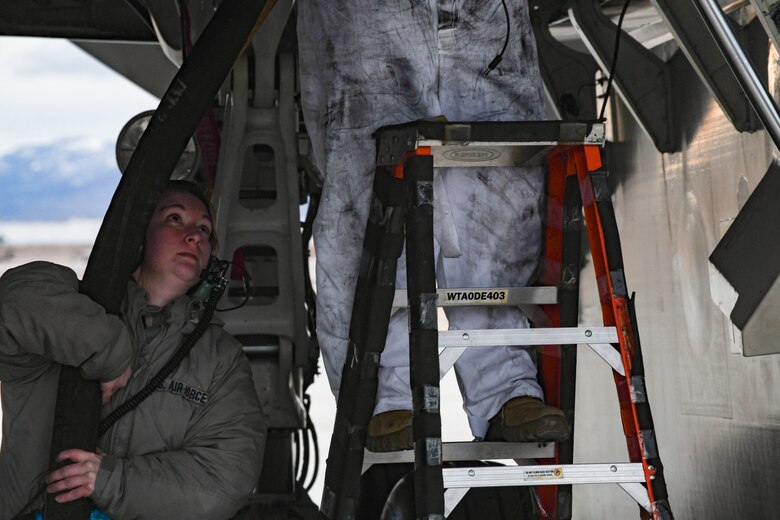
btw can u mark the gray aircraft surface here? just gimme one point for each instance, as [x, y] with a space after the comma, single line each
[691, 137]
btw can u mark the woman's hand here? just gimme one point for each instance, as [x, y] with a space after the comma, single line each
[108, 388]
[77, 480]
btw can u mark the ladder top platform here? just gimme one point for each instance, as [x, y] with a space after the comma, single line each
[507, 143]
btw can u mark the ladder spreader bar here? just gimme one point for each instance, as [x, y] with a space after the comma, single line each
[504, 337]
[638, 492]
[609, 354]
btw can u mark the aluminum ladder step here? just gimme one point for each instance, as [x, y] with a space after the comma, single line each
[629, 476]
[460, 451]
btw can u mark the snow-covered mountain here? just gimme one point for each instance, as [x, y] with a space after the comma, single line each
[66, 179]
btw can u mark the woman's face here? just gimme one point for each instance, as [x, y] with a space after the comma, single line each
[177, 242]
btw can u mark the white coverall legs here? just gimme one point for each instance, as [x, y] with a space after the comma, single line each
[366, 64]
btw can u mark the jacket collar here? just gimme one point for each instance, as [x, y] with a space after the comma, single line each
[179, 314]
[137, 308]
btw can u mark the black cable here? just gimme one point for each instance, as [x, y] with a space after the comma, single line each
[614, 59]
[306, 232]
[170, 366]
[304, 466]
[309, 432]
[316, 456]
[304, 440]
[302, 452]
[493, 64]
[245, 280]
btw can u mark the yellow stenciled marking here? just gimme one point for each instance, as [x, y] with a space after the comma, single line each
[542, 474]
[477, 296]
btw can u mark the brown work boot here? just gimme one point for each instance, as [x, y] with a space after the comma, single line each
[390, 431]
[527, 419]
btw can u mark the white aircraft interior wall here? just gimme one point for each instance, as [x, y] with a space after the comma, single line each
[717, 413]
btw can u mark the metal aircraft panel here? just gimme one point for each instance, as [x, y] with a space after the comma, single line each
[716, 413]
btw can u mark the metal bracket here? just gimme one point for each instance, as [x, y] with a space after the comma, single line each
[638, 492]
[452, 498]
[608, 353]
[641, 79]
[569, 76]
[393, 143]
[701, 49]
[448, 356]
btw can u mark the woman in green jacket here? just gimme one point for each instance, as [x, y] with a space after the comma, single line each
[194, 448]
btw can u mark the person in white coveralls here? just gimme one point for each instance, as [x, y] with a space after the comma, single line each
[366, 64]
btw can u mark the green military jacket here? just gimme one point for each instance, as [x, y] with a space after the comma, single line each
[192, 450]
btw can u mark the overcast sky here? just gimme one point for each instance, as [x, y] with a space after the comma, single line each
[51, 89]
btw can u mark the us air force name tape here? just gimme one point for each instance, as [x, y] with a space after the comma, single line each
[183, 389]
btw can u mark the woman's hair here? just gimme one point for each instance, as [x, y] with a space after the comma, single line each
[195, 189]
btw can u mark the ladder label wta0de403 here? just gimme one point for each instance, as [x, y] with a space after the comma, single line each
[476, 295]
[542, 473]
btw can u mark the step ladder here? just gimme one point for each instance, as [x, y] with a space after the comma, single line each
[402, 212]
